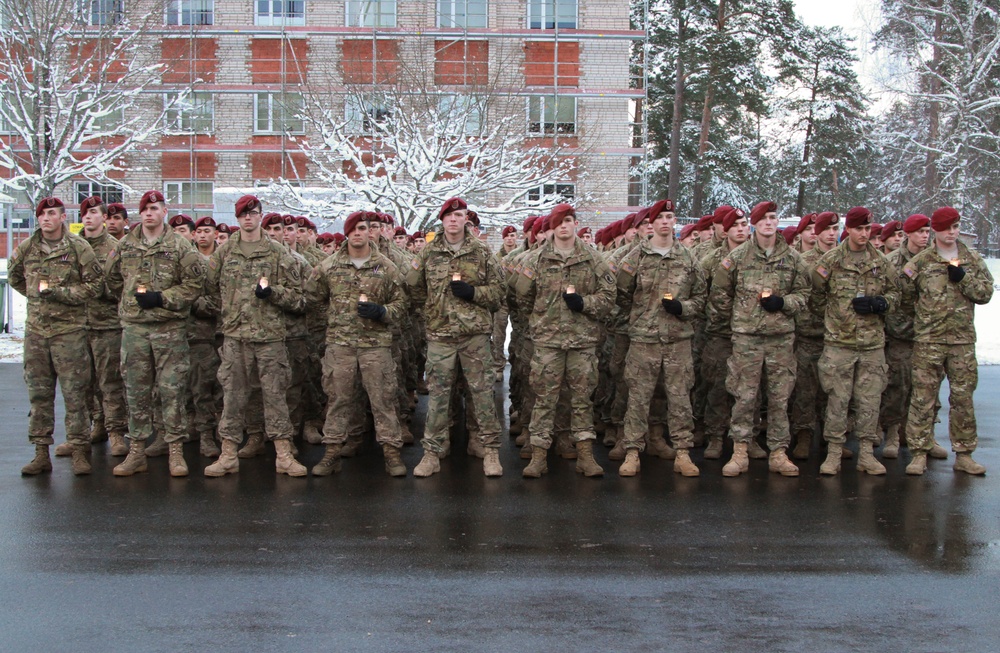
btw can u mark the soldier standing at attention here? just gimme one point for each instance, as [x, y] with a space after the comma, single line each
[156, 275]
[944, 283]
[116, 220]
[762, 284]
[254, 280]
[202, 327]
[459, 283]
[58, 273]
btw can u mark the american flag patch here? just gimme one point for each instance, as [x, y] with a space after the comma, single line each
[822, 271]
[614, 268]
[726, 263]
[908, 271]
[628, 268]
[415, 264]
[528, 272]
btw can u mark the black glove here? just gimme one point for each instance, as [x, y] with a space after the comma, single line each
[47, 292]
[371, 310]
[672, 306]
[573, 301]
[262, 293]
[862, 305]
[955, 273]
[148, 300]
[772, 303]
[878, 304]
[463, 290]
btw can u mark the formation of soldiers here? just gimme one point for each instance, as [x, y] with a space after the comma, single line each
[179, 330]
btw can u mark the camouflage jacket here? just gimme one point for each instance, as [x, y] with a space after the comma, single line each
[899, 323]
[73, 275]
[543, 280]
[429, 279]
[297, 321]
[807, 323]
[231, 282]
[338, 284]
[745, 273]
[203, 322]
[944, 311]
[170, 265]
[837, 280]
[102, 311]
[644, 276]
[716, 324]
[617, 320]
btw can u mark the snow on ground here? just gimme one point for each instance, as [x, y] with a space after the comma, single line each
[987, 326]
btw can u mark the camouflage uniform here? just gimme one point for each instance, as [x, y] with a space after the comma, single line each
[55, 339]
[660, 343]
[898, 353]
[565, 342]
[297, 350]
[253, 353]
[358, 347]
[155, 353]
[205, 362]
[762, 340]
[313, 397]
[852, 369]
[808, 398]
[715, 354]
[945, 344]
[458, 332]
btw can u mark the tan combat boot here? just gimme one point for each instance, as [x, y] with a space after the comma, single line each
[802, 446]
[285, 462]
[118, 446]
[176, 463]
[429, 465]
[656, 444]
[521, 439]
[393, 462]
[254, 446]
[585, 463]
[81, 459]
[755, 451]
[157, 449]
[683, 464]
[714, 449]
[516, 428]
[526, 449]
[890, 450]
[207, 445]
[491, 463]
[331, 462]
[353, 444]
[64, 450]
[938, 452]
[631, 465]
[618, 452]
[779, 463]
[311, 433]
[831, 466]
[564, 446]
[965, 463]
[867, 462]
[611, 435]
[538, 464]
[739, 462]
[228, 462]
[40, 463]
[135, 462]
[475, 447]
[98, 432]
[918, 465]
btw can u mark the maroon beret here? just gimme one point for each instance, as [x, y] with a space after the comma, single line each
[453, 204]
[720, 213]
[419, 234]
[205, 222]
[639, 218]
[507, 231]
[789, 233]
[943, 218]
[705, 222]
[804, 222]
[352, 221]
[49, 203]
[687, 229]
[858, 216]
[339, 238]
[890, 228]
[303, 221]
[324, 238]
[270, 219]
[386, 218]
[825, 220]
[876, 230]
[224, 228]
[118, 209]
[528, 222]
[558, 215]
[399, 231]
[659, 207]
[583, 232]
[730, 218]
[181, 219]
[473, 218]
[90, 203]
[916, 222]
[150, 197]
[246, 203]
[762, 209]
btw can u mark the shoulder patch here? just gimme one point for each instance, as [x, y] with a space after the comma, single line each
[822, 271]
[908, 271]
[614, 268]
[415, 264]
[726, 263]
[528, 272]
[628, 267]
[609, 279]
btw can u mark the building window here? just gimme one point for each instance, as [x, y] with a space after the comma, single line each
[551, 115]
[550, 14]
[462, 13]
[363, 115]
[192, 114]
[188, 193]
[281, 12]
[460, 112]
[101, 12]
[371, 13]
[636, 182]
[107, 192]
[559, 192]
[103, 119]
[278, 113]
[190, 12]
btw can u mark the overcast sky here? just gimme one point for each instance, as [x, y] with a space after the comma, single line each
[856, 17]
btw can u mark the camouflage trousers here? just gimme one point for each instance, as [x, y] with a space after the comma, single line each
[107, 389]
[700, 389]
[343, 367]
[718, 402]
[808, 399]
[647, 367]
[753, 356]
[205, 390]
[550, 369]
[616, 367]
[444, 357]
[314, 400]
[248, 368]
[896, 397]
[156, 365]
[499, 339]
[48, 360]
[297, 350]
[931, 363]
[852, 379]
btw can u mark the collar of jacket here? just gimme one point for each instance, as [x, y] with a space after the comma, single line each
[269, 245]
[579, 252]
[647, 248]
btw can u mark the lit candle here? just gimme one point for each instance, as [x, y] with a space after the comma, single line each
[362, 297]
[667, 296]
[43, 284]
[141, 289]
[571, 289]
[955, 262]
[456, 276]
[765, 293]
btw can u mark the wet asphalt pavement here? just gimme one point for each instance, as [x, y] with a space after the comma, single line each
[458, 562]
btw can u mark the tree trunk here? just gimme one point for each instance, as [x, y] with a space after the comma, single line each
[706, 121]
[800, 201]
[673, 183]
[931, 178]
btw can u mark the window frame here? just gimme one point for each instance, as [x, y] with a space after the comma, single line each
[173, 123]
[272, 122]
[539, 193]
[101, 124]
[543, 9]
[463, 102]
[177, 198]
[175, 11]
[88, 10]
[452, 16]
[110, 193]
[349, 15]
[358, 119]
[286, 16]
[543, 128]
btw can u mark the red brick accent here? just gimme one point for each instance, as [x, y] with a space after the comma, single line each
[357, 63]
[267, 65]
[188, 165]
[88, 57]
[540, 67]
[461, 62]
[186, 60]
[271, 165]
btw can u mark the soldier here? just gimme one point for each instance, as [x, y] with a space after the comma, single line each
[807, 236]
[156, 276]
[660, 274]
[361, 288]
[104, 339]
[222, 233]
[569, 289]
[59, 274]
[202, 329]
[688, 235]
[854, 286]
[944, 283]
[116, 220]
[892, 236]
[762, 285]
[459, 283]
[254, 280]
[183, 226]
[399, 236]
[502, 317]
